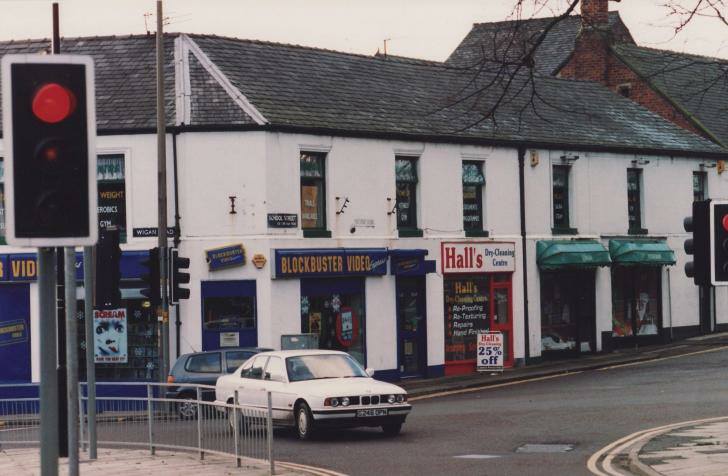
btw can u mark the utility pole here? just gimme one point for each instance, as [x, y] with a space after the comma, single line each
[163, 313]
[60, 303]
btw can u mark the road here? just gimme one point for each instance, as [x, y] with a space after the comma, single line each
[549, 426]
[584, 412]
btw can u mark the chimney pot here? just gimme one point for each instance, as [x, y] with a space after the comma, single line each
[595, 13]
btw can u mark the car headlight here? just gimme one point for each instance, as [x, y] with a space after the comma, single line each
[345, 401]
[391, 399]
[334, 402]
[400, 398]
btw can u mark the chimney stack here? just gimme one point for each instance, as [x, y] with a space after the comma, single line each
[595, 13]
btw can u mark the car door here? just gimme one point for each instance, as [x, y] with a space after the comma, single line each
[251, 390]
[275, 382]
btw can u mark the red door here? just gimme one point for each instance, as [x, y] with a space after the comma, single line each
[501, 316]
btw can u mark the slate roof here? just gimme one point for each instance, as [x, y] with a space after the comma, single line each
[323, 91]
[499, 41]
[697, 85]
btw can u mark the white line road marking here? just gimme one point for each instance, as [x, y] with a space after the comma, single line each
[631, 364]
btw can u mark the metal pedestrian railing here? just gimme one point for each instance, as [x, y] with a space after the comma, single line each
[141, 415]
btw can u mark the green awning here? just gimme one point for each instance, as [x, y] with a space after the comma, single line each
[641, 252]
[559, 254]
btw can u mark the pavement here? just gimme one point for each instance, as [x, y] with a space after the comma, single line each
[689, 448]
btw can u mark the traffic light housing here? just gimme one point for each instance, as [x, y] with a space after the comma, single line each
[108, 272]
[177, 277]
[699, 244]
[49, 128]
[719, 242]
[151, 279]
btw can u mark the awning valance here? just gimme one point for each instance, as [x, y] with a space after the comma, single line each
[641, 252]
[559, 254]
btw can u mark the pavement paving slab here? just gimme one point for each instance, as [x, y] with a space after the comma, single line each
[127, 462]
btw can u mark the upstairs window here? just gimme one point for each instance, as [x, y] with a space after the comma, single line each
[473, 190]
[406, 176]
[634, 200]
[313, 191]
[561, 196]
[700, 186]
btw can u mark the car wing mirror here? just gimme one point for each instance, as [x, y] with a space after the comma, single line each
[370, 371]
[267, 376]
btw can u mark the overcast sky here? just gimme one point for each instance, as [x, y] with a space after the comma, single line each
[428, 29]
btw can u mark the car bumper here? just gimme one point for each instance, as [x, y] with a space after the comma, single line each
[347, 418]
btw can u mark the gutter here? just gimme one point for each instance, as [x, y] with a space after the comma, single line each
[522, 203]
[434, 138]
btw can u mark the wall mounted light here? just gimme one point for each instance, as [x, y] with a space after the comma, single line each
[636, 162]
[708, 165]
[232, 204]
[343, 206]
[391, 207]
[567, 159]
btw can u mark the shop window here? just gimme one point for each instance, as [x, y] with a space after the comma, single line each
[111, 192]
[406, 178]
[636, 309]
[229, 313]
[334, 309]
[634, 201]
[568, 313]
[313, 194]
[473, 192]
[2, 202]
[561, 198]
[700, 186]
[206, 363]
[466, 313]
[141, 340]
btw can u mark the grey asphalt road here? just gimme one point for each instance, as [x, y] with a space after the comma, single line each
[584, 412]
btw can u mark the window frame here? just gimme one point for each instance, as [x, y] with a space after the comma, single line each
[317, 231]
[638, 227]
[562, 228]
[123, 233]
[480, 199]
[413, 228]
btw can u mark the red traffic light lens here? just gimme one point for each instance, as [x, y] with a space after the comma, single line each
[724, 222]
[53, 103]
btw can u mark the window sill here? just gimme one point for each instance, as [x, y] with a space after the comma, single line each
[477, 233]
[564, 231]
[637, 231]
[316, 233]
[410, 233]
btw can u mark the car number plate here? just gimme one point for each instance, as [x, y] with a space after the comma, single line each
[371, 412]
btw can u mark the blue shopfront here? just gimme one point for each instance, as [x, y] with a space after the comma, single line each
[334, 297]
[18, 271]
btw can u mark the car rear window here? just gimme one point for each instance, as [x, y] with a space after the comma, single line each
[207, 363]
[236, 358]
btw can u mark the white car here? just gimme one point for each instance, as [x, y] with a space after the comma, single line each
[312, 389]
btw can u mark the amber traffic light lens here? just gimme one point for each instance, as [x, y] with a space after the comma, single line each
[53, 103]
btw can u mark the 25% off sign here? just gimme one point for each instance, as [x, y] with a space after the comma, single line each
[490, 351]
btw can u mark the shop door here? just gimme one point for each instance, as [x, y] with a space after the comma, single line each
[501, 320]
[585, 310]
[15, 332]
[411, 327]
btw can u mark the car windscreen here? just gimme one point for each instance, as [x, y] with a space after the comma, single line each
[311, 367]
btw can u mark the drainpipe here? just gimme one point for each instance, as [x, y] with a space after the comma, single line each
[177, 320]
[524, 261]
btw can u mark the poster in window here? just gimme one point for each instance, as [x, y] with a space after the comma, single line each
[466, 314]
[314, 323]
[309, 206]
[110, 336]
[347, 327]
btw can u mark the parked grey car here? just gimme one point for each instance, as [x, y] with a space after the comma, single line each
[204, 368]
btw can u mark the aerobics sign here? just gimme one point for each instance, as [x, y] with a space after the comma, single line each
[478, 257]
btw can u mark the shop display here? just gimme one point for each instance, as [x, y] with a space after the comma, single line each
[466, 314]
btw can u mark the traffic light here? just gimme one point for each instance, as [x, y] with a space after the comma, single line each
[108, 273]
[699, 244]
[49, 128]
[151, 286]
[719, 242]
[177, 277]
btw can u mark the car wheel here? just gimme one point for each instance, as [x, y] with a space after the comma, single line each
[392, 429]
[304, 422]
[187, 409]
